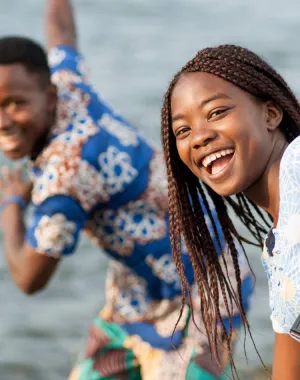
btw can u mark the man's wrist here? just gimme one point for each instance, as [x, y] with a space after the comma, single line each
[15, 199]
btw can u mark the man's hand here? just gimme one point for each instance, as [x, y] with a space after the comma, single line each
[12, 182]
[60, 24]
[30, 270]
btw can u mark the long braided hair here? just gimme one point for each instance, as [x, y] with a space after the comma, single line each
[248, 71]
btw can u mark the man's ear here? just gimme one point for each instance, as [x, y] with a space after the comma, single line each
[52, 97]
[273, 115]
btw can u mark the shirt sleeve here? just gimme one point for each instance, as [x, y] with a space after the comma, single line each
[284, 263]
[55, 226]
[62, 196]
[67, 66]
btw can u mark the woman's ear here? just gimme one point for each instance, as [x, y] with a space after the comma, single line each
[273, 114]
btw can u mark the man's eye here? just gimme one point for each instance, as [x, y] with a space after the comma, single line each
[12, 105]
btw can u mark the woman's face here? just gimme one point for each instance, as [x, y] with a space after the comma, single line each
[223, 134]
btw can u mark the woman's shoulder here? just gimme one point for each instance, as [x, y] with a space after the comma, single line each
[292, 154]
[290, 166]
[289, 185]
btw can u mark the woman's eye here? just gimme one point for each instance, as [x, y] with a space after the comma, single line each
[217, 112]
[181, 131]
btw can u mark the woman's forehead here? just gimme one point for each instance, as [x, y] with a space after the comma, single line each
[202, 88]
[205, 83]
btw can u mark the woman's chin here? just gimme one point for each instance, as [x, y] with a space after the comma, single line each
[226, 190]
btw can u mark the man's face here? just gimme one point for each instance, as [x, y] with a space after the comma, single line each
[26, 110]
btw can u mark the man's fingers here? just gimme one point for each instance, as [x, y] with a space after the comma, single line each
[6, 175]
[18, 174]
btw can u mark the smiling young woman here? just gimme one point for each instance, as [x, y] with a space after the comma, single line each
[222, 135]
[231, 121]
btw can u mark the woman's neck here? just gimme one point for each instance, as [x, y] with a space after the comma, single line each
[265, 191]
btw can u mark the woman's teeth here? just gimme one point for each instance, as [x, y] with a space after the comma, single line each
[208, 160]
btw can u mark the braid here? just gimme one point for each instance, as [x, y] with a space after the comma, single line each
[248, 71]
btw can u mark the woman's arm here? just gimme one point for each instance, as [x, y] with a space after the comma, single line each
[286, 363]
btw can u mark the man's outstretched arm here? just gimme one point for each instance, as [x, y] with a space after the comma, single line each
[29, 269]
[60, 24]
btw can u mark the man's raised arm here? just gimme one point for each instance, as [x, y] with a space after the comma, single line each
[60, 24]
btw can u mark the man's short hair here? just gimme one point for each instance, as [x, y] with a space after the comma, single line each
[22, 50]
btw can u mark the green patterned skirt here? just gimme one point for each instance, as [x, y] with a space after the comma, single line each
[112, 354]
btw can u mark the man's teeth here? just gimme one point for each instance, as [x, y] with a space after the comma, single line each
[212, 157]
[10, 134]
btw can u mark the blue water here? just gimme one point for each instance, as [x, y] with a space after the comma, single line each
[133, 48]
